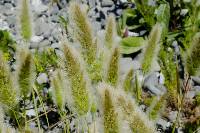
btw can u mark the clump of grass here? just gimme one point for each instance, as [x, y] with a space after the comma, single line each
[8, 94]
[110, 32]
[152, 48]
[113, 67]
[110, 115]
[25, 72]
[25, 20]
[78, 82]
[193, 56]
[82, 31]
[127, 84]
[57, 83]
[137, 120]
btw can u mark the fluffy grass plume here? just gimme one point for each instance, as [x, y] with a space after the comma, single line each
[193, 57]
[76, 76]
[168, 68]
[25, 20]
[110, 31]
[138, 121]
[25, 72]
[127, 83]
[110, 116]
[113, 67]
[8, 95]
[157, 107]
[152, 48]
[82, 31]
[58, 89]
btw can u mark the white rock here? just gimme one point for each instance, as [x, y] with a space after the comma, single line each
[132, 33]
[38, 7]
[42, 78]
[173, 115]
[4, 25]
[30, 112]
[37, 39]
[125, 64]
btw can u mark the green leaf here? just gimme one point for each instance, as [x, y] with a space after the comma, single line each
[163, 17]
[131, 44]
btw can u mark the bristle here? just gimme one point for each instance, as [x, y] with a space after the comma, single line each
[25, 20]
[127, 84]
[110, 115]
[152, 48]
[192, 59]
[113, 67]
[137, 120]
[58, 90]
[25, 71]
[8, 95]
[83, 32]
[110, 31]
[79, 84]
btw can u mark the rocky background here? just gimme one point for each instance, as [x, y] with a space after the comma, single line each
[48, 32]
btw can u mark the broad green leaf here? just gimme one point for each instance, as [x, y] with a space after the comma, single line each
[163, 17]
[131, 45]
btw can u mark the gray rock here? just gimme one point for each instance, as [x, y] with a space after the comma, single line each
[8, 5]
[197, 89]
[190, 94]
[172, 116]
[37, 39]
[11, 20]
[55, 18]
[41, 26]
[163, 123]
[30, 112]
[125, 65]
[136, 65]
[55, 45]
[38, 6]
[92, 3]
[106, 3]
[42, 78]
[196, 80]
[152, 83]
[54, 10]
[4, 25]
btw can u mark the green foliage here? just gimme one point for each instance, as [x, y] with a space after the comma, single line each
[45, 59]
[152, 48]
[76, 77]
[163, 17]
[6, 44]
[113, 67]
[25, 21]
[157, 107]
[146, 10]
[8, 95]
[25, 72]
[131, 44]
[193, 56]
[168, 68]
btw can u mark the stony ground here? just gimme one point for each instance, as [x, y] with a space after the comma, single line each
[48, 32]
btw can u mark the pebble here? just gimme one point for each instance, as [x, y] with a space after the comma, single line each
[37, 39]
[172, 116]
[42, 78]
[153, 83]
[30, 112]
